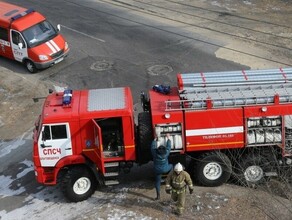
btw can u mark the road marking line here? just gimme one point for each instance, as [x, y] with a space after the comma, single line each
[79, 32]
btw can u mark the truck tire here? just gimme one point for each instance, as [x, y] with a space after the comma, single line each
[145, 138]
[78, 184]
[212, 169]
[253, 169]
[30, 66]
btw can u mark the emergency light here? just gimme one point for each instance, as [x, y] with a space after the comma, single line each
[30, 10]
[161, 89]
[67, 97]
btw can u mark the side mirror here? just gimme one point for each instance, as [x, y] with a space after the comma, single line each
[58, 27]
[43, 136]
[20, 45]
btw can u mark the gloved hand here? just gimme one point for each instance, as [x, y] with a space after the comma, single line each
[168, 190]
[191, 190]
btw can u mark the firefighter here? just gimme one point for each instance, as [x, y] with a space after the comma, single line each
[176, 184]
[160, 158]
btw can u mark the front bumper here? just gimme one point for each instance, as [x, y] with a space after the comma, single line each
[44, 65]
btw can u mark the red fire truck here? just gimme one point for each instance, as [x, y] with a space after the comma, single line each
[235, 123]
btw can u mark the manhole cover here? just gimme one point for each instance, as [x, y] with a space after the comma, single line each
[101, 65]
[159, 70]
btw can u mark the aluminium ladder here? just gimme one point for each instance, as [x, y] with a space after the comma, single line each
[227, 97]
[234, 78]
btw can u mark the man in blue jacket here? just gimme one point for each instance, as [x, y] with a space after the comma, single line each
[160, 158]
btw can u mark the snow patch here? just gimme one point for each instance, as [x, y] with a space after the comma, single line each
[60, 88]
[7, 180]
[116, 214]
[29, 168]
[247, 2]
[7, 147]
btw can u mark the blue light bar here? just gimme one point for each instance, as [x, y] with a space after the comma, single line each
[28, 11]
[67, 97]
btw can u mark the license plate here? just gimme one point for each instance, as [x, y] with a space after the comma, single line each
[59, 60]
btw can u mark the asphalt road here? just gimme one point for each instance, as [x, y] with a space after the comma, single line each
[111, 46]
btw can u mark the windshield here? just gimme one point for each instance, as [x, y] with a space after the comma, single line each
[39, 33]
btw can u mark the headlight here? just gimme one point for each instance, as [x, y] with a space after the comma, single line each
[43, 57]
[66, 46]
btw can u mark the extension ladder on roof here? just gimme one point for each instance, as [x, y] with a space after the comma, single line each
[234, 78]
[236, 96]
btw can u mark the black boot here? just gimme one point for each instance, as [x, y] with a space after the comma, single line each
[157, 196]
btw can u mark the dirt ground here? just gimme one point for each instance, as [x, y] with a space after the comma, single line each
[271, 201]
[18, 111]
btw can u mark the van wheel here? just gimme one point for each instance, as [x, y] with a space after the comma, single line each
[78, 184]
[30, 66]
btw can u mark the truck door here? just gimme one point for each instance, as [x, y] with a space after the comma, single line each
[19, 47]
[98, 145]
[54, 143]
[112, 138]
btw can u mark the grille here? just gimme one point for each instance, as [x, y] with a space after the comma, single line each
[59, 53]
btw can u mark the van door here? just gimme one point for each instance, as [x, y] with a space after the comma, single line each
[16, 41]
[54, 143]
[5, 46]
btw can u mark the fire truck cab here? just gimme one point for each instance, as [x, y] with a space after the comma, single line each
[77, 127]
[27, 37]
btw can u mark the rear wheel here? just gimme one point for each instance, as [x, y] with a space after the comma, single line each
[253, 170]
[78, 184]
[212, 169]
[145, 137]
[30, 66]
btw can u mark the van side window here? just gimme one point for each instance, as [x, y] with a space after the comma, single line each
[3, 34]
[16, 38]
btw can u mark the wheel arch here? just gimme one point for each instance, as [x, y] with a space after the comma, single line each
[78, 161]
[24, 62]
[24, 59]
[78, 181]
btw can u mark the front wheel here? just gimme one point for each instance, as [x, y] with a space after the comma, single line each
[212, 169]
[78, 184]
[30, 66]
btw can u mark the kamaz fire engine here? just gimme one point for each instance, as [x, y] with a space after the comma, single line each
[221, 124]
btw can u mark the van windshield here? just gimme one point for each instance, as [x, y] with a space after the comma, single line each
[39, 33]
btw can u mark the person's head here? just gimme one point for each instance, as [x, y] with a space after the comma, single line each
[161, 150]
[178, 168]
